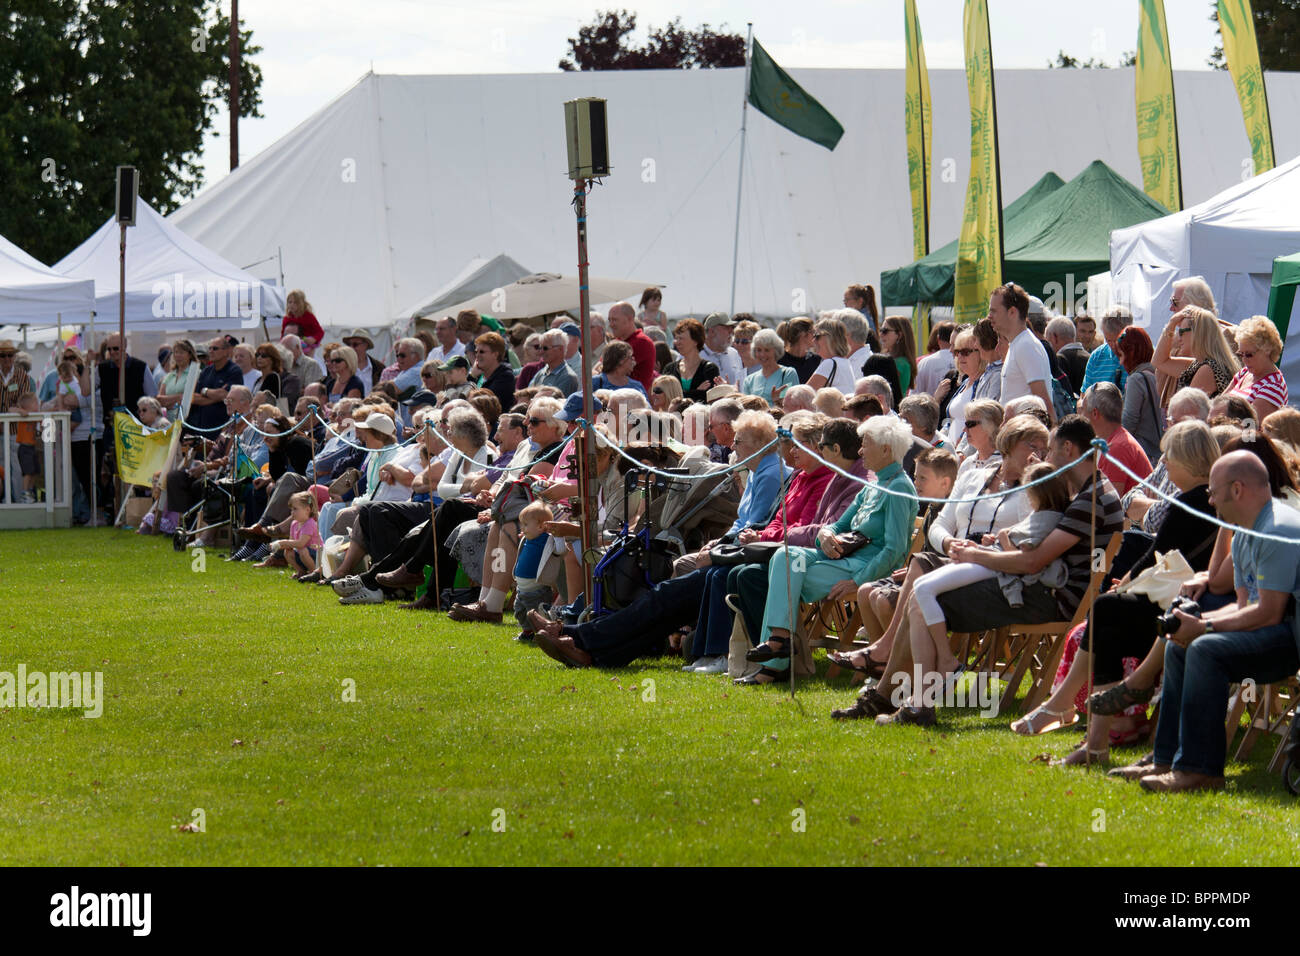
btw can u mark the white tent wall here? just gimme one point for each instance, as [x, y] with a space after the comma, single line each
[386, 192]
[1230, 239]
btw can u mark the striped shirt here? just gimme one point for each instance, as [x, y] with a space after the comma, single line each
[1271, 388]
[1079, 520]
[1103, 366]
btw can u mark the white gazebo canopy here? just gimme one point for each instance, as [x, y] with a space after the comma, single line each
[33, 294]
[173, 282]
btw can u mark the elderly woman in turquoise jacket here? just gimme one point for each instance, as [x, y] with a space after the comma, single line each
[837, 566]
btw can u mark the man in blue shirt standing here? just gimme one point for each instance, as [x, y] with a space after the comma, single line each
[1103, 364]
[1252, 639]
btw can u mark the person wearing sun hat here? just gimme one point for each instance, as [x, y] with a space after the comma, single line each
[369, 368]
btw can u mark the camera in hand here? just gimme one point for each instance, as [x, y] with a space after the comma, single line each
[1168, 623]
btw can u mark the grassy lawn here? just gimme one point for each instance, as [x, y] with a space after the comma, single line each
[224, 691]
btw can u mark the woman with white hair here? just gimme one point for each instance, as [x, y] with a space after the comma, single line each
[771, 378]
[868, 542]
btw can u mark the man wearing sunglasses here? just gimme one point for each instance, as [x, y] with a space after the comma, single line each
[208, 409]
[556, 371]
[139, 380]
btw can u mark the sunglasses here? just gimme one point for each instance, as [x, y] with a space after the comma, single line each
[113, 348]
[742, 341]
[337, 362]
[657, 391]
[963, 352]
[402, 354]
[971, 423]
[1246, 356]
[6, 354]
[1183, 331]
[426, 375]
[536, 421]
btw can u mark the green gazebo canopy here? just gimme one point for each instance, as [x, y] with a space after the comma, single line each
[1051, 234]
[930, 279]
[1281, 297]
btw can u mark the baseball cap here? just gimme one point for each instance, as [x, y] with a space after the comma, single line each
[420, 398]
[570, 328]
[378, 422]
[714, 319]
[456, 361]
[572, 409]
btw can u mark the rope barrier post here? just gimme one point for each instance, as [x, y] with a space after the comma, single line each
[1092, 647]
[789, 598]
[433, 533]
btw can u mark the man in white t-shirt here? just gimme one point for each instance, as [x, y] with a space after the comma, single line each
[1025, 370]
[717, 348]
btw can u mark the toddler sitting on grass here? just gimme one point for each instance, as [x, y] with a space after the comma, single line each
[303, 544]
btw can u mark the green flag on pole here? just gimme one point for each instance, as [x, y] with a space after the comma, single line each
[773, 93]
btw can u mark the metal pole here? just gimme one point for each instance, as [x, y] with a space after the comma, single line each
[1092, 646]
[587, 450]
[234, 84]
[94, 478]
[121, 353]
[740, 177]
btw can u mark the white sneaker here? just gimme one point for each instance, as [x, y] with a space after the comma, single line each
[691, 666]
[364, 596]
[349, 585]
[712, 665]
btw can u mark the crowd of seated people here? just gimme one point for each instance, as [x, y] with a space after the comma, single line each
[839, 445]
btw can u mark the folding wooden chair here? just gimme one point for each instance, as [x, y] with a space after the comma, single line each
[842, 618]
[1270, 712]
[1036, 649]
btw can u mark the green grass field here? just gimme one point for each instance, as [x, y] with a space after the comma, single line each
[225, 692]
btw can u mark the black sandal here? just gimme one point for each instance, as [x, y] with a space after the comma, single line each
[764, 676]
[1117, 699]
[766, 652]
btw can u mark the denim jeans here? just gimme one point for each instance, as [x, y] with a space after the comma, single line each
[1194, 702]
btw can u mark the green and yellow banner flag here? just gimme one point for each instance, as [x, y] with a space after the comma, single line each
[774, 94]
[1157, 127]
[979, 248]
[1237, 27]
[919, 121]
[141, 454]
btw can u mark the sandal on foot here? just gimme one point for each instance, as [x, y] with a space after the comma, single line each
[1115, 700]
[1042, 721]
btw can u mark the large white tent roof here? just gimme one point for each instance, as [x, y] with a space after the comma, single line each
[32, 293]
[1230, 239]
[173, 282]
[387, 191]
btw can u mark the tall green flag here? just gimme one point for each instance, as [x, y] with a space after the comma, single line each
[919, 122]
[773, 93]
[979, 248]
[1157, 126]
[1237, 27]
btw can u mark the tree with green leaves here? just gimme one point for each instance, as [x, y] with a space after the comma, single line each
[606, 44]
[89, 85]
[1277, 32]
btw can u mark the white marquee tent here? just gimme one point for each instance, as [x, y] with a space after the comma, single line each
[32, 293]
[173, 283]
[390, 189]
[1230, 239]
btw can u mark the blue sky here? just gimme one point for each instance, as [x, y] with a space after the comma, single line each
[312, 51]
